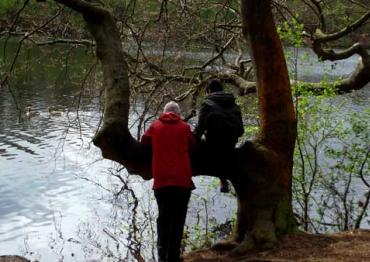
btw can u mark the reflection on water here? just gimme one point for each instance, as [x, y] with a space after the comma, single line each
[41, 158]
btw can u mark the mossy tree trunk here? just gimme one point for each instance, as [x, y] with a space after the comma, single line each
[264, 186]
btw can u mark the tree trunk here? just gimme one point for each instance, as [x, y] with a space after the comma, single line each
[264, 184]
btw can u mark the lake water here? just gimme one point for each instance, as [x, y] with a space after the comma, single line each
[57, 198]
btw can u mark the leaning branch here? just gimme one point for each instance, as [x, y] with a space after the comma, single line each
[245, 87]
[82, 42]
[321, 37]
[83, 7]
[360, 76]
[330, 54]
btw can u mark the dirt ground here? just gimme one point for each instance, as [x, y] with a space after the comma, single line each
[12, 259]
[344, 246]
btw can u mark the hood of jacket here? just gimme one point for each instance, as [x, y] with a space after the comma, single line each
[169, 117]
[221, 98]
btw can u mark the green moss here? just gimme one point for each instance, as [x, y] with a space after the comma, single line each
[284, 218]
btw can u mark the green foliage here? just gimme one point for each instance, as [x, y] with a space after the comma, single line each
[205, 228]
[248, 105]
[211, 9]
[7, 6]
[291, 32]
[331, 147]
[331, 151]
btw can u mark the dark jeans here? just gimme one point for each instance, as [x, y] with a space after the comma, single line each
[220, 160]
[172, 206]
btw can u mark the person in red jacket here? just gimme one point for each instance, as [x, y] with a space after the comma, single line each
[170, 139]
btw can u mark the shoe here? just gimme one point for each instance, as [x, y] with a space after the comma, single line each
[225, 187]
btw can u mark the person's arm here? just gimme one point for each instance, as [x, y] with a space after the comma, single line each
[240, 122]
[192, 141]
[146, 139]
[200, 128]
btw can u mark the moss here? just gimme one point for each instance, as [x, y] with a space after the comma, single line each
[245, 246]
[284, 219]
[264, 233]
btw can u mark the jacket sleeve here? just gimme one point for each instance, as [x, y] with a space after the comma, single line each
[192, 140]
[240, 124]
[146, 139]
[200, 128]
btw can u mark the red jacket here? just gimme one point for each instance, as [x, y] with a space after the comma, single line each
[170, 138]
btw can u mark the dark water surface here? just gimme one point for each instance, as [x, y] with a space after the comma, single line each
[43, 156]
[45, 200]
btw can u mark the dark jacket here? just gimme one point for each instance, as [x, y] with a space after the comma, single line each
[219, 120]
[171, 139]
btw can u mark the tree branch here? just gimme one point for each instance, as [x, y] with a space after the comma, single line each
[82, 42]
[321, 37]
[84, 7]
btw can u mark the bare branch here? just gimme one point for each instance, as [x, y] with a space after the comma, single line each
[84, 7]
[318, 11]
[82, 42]
[321, 37]
[25, 3]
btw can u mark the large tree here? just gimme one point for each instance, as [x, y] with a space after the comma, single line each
[263, 183]
[264, 188]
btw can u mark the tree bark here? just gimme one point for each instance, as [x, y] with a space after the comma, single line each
[113, 138]
[263, 186]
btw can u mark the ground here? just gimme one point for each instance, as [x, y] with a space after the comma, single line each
[344, 246]
[340, 247]
[12, 259]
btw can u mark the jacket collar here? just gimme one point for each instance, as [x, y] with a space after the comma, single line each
[169, 117]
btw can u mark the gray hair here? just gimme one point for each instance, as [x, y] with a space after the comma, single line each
[172, 107]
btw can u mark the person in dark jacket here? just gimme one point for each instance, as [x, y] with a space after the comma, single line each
[170, 139]
[218, 129]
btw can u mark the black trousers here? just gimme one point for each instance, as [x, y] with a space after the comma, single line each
[220, 160]
[172, 207]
